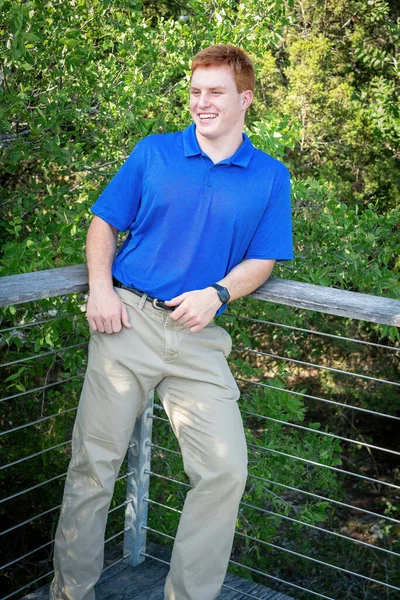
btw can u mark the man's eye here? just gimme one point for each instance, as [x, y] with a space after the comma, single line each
[195, 93]
[216, 93]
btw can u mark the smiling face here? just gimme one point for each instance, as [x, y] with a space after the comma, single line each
[216, 106]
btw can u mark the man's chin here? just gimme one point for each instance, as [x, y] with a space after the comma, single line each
[207, 132]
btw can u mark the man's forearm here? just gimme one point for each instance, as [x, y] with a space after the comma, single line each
[247, 277]
[105, 312]
[100, 251]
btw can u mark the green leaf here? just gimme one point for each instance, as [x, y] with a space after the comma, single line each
[16, 375]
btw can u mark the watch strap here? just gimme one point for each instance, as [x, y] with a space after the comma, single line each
[223, 293]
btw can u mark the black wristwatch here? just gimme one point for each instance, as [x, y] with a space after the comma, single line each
[223, 293]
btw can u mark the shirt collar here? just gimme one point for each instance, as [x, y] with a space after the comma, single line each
[241, 158]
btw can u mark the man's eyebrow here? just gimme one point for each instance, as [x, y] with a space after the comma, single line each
[217, 87]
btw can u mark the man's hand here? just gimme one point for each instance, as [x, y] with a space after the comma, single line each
[106, 312]
[195, 309]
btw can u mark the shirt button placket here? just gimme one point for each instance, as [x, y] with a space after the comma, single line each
[210, 177]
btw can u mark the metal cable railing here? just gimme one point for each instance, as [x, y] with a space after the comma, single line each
[318, 432]
[32, 488]
[165, 562]
[317, 464]
[18, 361]
[41, 322]
[42, 420]
[305, 460]
[370, 447]
[290, 584]
[286, 518]
[28, 585]
[20, 558]
[34, 455]
[381, 551]
[312, 332]
[319, 399]
[281, 516]
[299, 555]
[41, 388]
[293, 489]
[304, 363]
[324, 499]
[301, 427]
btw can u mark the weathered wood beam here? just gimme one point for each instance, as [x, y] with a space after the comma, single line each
[364, 307]
[17, 289]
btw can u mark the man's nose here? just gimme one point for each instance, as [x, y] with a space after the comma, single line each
[204, 100]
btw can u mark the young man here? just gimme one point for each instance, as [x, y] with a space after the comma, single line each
[208, 215]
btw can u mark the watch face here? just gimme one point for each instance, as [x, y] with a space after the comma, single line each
[223, 295]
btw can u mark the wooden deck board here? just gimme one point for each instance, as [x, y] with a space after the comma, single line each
[146, 582]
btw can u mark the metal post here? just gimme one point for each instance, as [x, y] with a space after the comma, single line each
[137, 489]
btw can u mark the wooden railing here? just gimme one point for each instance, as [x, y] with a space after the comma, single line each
[16, 289]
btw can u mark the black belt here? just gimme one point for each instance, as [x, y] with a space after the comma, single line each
[156, 303]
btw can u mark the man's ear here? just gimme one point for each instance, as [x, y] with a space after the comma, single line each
[247, 98]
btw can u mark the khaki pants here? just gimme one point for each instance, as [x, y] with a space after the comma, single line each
[191, 376]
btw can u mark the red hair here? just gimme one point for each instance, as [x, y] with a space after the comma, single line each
[223, 55]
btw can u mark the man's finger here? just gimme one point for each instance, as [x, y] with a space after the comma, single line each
[92, 324]
[108, 326]
[125, 317]
[186, 320]
[196, 328]
[99, 326]
[182, 315]
[116, 325]
[175, 301]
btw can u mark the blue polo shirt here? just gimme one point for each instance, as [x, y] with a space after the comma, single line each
[190, 221]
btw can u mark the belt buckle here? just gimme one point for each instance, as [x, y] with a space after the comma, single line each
[155, 304]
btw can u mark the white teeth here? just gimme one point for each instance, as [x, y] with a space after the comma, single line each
[207, 116]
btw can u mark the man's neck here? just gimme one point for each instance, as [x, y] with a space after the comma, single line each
[220, 149]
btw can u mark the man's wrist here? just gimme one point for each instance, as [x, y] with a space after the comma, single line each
[223, 293]
[104, 284]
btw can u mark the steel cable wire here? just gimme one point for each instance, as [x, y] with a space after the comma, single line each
[33, 487]
[317, 464]
[308, 525]
[50, 510]
[325, 433]
[300, 458]
[56, 415]
[167, 563]
[311, 494]
[42, 322]
[24, 587]
[320, 562]
[116, 562]
[35, 356]
[317, 431]
[20, 460]
[41, 388]
[305, 557]
[315, 366]
[313, 332]
[14, 561]
[34, 518]
[243, 566]
[333, 402]
[324, 498]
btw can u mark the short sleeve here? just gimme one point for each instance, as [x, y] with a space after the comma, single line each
[272, 239]
[119, 202]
